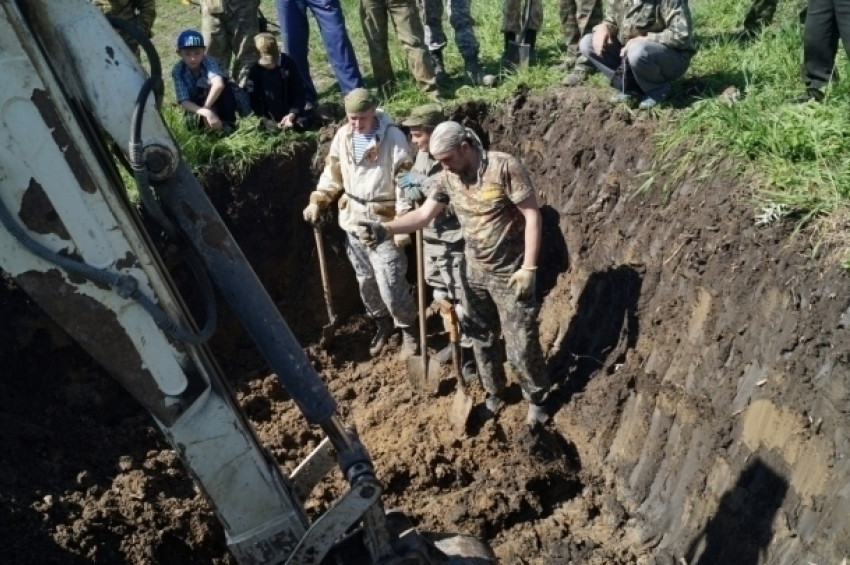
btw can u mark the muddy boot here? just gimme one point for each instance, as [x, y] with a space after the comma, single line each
[476, 74]
[536, 414]
[382, 335]
[439, 66]
[409, 347]
[492, 406]
[510, 37]
[568, 62]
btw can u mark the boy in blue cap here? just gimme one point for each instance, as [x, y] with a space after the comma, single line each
[207, 96]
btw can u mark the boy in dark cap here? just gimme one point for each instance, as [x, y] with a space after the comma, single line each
[274, 88]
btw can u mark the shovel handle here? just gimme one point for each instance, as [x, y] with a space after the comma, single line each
[326, 285]
[420, 291]
[526, 17]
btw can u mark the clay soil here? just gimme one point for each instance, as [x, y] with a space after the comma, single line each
[85, 477]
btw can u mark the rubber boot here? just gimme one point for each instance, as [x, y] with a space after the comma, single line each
[536, 415]
[468, 366]
[477, 75]
[492, 406]
[409, 345]
[509, 38]
[382, 335]
[439, 65]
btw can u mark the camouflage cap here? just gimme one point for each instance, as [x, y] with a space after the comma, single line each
[360, 100]
[267, 47]
[427, 115]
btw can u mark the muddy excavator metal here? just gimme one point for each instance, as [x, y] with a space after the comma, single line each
[73, 240]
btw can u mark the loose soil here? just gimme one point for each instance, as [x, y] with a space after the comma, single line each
[654, 322]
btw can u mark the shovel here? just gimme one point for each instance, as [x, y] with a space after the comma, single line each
[519, 52]
[329, 330]
[462, 402]
[421, 373]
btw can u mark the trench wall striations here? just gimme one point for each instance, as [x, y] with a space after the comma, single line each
[702, 360]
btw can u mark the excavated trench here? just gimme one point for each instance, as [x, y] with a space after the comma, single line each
[701, 416]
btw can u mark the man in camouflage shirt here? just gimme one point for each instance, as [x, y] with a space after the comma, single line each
[649, 40]
[140, 13]
[229, 27]
[495, 202]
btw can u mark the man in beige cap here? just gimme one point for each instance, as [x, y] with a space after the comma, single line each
[495, 202]
[275, 88]
[442, 238]
[375, 16]
[366, 157]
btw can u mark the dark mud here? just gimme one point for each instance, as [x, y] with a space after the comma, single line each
[701, 412]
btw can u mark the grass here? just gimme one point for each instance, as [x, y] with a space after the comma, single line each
[797, 154]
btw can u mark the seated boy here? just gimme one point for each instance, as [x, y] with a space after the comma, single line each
[206, 95]
[274, 88]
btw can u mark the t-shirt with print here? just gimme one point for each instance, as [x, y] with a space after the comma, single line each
[493, 226]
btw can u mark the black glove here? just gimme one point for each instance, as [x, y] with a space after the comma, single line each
[372, 234]
[411, 185]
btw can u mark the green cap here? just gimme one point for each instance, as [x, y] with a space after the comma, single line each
[427, 115]
[360, 100]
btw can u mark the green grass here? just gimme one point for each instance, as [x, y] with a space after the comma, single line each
[798, 153]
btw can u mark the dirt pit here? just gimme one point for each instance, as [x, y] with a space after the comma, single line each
[701, 411]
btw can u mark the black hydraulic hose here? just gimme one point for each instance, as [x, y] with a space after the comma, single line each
[126, 285]
[142, 38]
[151, 204]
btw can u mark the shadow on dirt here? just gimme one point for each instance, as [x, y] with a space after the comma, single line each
[605, 321]
[741, 530]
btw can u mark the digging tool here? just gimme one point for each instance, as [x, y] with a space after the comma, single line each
[518, 52]
[422, 374]
[462, 402]
[329, 330]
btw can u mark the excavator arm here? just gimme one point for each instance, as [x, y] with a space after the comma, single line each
[72, 239]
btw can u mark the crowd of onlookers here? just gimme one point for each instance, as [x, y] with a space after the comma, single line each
[233, 67]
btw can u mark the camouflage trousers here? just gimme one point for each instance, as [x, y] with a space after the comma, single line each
[460, 18]
[490, 304]
[443, 273]
[229, 36]
[375, 16]
[512, 14]
[381, 275]
[578, 18]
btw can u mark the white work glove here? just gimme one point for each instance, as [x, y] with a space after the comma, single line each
[311, 213]
[401, 239]
[525, 282]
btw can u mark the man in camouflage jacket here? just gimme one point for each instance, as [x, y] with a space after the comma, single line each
[649, 40]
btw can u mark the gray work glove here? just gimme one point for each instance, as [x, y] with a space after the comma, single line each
[410, 184]
[372, 234]
[525, 282]
[311, 213]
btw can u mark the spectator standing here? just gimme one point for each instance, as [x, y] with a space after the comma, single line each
[275, 89]
[512, 16]
[295, 36]
[827, 21]
[460, 18]
[578, 17]
[229, 27]
[375, 15]
[140, 13]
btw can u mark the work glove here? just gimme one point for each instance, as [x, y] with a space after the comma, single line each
[372, 234]
[410, 184]
[524, 281]
[311, 214]
[401, 239]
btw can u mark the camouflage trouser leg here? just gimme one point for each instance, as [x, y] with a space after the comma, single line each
[374, 19]
[230, 36]
[512, 12]
[411, 35]
[489, 303]
[578, 18]
[432, 17]
[760, 14]
[381, 275]
[460, 18]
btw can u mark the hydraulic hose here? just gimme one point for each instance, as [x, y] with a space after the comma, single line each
[142, 38]
[126, 285]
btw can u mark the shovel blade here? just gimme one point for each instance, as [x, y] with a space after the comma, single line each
[422, 378]
[461, 408]
[524, 51]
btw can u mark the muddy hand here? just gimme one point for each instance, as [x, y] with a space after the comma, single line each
[524, 281]
[372, 234]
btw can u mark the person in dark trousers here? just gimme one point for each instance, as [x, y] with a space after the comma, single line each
[206, 95]
[294, 33]
[274, 88]
[827, 21]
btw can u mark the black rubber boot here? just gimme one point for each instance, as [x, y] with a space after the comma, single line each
[509, 37]
[382, 335]
[531, 40]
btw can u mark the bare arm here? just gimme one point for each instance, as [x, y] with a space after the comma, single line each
[216, 88]
[533, 229]
[416, 219]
